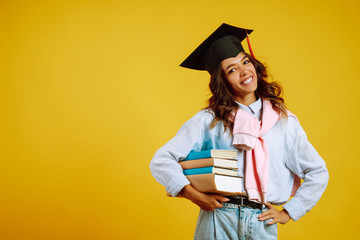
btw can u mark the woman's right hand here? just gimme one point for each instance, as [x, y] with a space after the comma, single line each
[207, 202]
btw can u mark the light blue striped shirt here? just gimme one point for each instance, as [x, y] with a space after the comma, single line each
[289, 153]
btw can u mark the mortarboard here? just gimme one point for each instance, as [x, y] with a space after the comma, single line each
[223, 43]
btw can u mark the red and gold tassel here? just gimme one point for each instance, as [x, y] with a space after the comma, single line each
[249, 45]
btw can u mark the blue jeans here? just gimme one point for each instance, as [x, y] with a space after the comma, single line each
[233, 222]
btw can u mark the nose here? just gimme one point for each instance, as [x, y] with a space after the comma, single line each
[243, 71]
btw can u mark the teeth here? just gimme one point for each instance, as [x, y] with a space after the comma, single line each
[247, 81]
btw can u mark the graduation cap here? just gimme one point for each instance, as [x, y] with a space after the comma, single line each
[224, 43]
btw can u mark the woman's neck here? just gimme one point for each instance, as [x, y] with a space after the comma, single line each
[246, 100]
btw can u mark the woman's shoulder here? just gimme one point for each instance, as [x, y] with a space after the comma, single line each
[203, 116]
[293, 126]
[205, 113]
[200, 121]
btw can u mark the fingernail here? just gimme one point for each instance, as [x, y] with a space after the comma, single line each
[226, 199]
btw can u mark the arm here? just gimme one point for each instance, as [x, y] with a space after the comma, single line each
[305, 162]
[276, 216]
[207, 202]
[166, 170]
[164, 165]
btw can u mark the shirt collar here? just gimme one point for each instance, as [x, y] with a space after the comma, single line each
[253, 108]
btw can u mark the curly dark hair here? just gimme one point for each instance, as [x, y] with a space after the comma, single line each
[222, 100]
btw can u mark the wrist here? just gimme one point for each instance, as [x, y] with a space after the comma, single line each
[286, 213]
[189, 192]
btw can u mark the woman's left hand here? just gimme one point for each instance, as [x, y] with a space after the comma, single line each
[276, 216]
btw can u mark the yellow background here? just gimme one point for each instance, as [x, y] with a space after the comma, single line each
[90, 90]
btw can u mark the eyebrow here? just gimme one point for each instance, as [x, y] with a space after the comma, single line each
[235, 63]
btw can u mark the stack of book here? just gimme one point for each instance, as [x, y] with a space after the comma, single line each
[213, 171]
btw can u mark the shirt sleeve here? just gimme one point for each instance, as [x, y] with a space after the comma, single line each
[305, 162]
[164, 165]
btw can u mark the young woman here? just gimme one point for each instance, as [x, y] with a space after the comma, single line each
[246, 113]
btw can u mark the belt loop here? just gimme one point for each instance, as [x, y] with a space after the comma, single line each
[242, 201]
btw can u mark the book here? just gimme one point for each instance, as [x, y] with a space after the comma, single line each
[216, 153]
[220, 184]
[209, 162]
[204, 170]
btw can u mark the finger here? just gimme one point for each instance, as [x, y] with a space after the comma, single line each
[266, 213]
[263, 218]
[221, 198]
[209, 208]
[268, 205]
[214, 203]
[218, 205]
[272, 222]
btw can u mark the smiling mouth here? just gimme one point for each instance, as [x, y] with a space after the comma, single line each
[247, 81]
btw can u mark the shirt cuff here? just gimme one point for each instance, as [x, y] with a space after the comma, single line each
[176, 183]
[295, 209]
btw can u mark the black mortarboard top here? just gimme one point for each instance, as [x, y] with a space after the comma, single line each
[225, 42]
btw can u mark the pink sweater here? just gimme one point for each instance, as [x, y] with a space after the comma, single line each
[248, 132]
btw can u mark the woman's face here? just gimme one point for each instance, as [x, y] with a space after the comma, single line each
[241, 75]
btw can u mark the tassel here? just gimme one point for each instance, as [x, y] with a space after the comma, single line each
[249, 45]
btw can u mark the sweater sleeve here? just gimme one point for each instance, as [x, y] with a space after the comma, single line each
[164, 165]
[305, 162]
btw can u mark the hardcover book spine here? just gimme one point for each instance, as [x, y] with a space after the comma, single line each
[194, 171]
[198, 155]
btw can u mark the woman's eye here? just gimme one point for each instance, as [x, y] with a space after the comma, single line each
[246, 61]
[231, 70]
